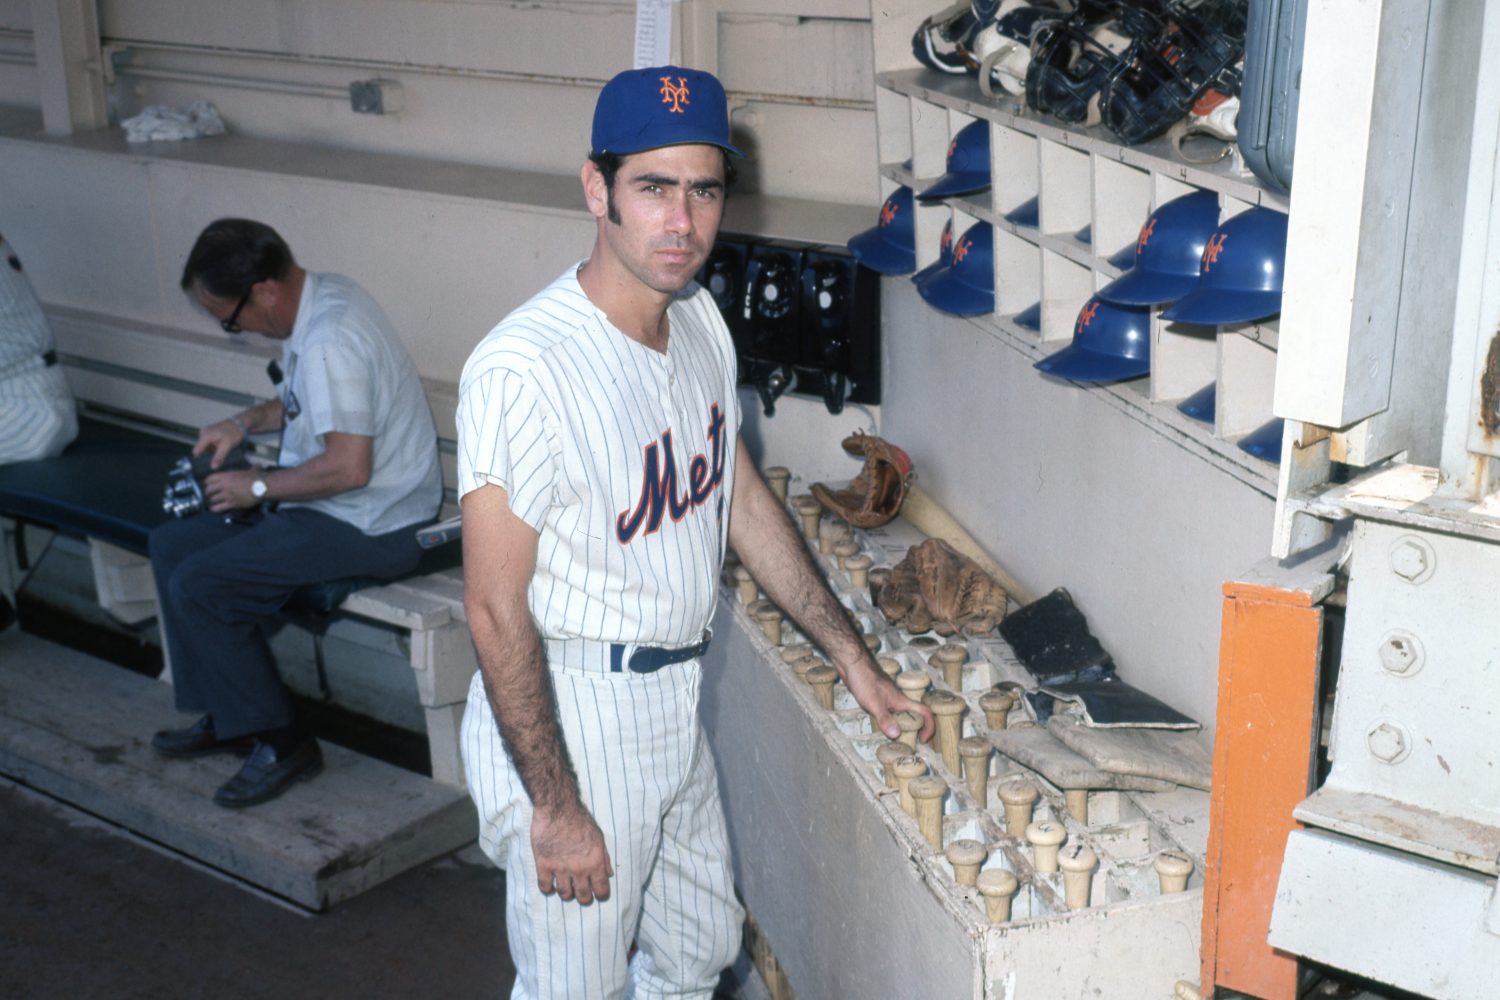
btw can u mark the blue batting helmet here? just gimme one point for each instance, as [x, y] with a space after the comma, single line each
[1110, 342]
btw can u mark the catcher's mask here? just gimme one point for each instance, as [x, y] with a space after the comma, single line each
[890, 246]
[967, 287]
[1240, 273]
[1073, 57]
[1002, 43]
[1200, 405]
[1265, 441]
[968, 166]
[1167, 252]
[945, 256]
[1110, 342]
[942, 41]
[1198, 47]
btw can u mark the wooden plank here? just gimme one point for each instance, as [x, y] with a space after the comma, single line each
[1154, 753]
[1263, 763]
[1036, 748]
[444, 660]
[397, 605]
[443, 726]
[79, 729]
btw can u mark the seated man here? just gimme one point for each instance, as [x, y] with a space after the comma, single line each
[38, 418]
[358, 473]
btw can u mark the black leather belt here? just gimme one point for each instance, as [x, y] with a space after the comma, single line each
[649, 659]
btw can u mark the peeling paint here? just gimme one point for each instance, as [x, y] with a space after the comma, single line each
[1489, 388]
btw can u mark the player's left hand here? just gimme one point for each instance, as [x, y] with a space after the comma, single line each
[879, 695]
[226, 491]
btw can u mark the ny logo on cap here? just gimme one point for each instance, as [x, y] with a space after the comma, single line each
[1213, 249]
[1145, 237]
[887, 213]
[676, 96]
[961, 251]
[1086, 316]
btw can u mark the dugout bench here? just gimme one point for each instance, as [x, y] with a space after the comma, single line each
[142, 394]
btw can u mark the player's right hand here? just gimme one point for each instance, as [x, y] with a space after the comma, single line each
[571, 858]
[218, 438]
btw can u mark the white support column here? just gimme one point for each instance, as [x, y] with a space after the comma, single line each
[69, 73]
[1361, 89]
[1471, 434]
[695, 36]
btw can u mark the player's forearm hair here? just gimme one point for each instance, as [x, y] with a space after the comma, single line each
[769, 544]
[499, 561]
[518, 685]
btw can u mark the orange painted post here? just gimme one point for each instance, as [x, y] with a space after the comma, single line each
[1264, 758]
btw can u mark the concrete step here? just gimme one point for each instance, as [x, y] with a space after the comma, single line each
[79, 729]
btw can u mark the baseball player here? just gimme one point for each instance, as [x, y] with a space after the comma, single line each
[601, 476]
[38, 417]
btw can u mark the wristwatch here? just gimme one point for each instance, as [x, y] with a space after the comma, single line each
[258, 489]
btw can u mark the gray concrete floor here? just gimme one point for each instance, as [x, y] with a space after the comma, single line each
[92, 912]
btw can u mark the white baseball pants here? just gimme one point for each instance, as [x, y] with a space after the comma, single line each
[647, 775]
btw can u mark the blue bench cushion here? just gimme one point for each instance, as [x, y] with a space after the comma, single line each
[108, 484]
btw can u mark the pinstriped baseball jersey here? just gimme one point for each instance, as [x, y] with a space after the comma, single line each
[621, 457]
[37, 414]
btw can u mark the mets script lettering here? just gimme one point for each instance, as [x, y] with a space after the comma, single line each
[660, 493]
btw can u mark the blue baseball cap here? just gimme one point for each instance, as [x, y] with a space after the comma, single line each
[1027, 214]
[1110, 342]
[1265, 441]
[1030, 317]
[945, 256]
[1240, 275]
[967, 287]
[890, 246]
[1168, 252]
[1200, 405]
[644, 109]
[968, 164]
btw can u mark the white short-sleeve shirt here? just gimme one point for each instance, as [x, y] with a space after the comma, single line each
[344, 370]
[621, 458]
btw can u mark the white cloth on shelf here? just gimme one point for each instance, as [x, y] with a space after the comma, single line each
[160, 122]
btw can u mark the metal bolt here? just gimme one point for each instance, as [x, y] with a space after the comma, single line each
[1387, 742]
[1412, 559]
[1401, 653]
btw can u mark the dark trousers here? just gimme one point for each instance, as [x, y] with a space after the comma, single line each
[220, 583]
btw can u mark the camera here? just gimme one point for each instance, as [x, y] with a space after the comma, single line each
[184, 494]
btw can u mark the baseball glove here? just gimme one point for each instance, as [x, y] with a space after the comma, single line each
[874, 496]
[940, 589]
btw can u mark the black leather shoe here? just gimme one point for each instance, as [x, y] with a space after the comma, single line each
[265, 776]
[197, 740]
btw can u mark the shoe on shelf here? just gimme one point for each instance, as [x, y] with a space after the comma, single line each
[265, 775]
[197, 740]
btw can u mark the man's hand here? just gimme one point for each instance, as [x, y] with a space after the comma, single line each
[571, 858]
[226, 491]
[879, 695]
[218, 438]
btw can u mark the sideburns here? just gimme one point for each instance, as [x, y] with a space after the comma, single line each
[613, 213]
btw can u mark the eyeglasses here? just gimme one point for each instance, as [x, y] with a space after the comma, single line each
[232, 324]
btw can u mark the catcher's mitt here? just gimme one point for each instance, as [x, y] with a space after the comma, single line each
[874, 496]
[936, 587]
